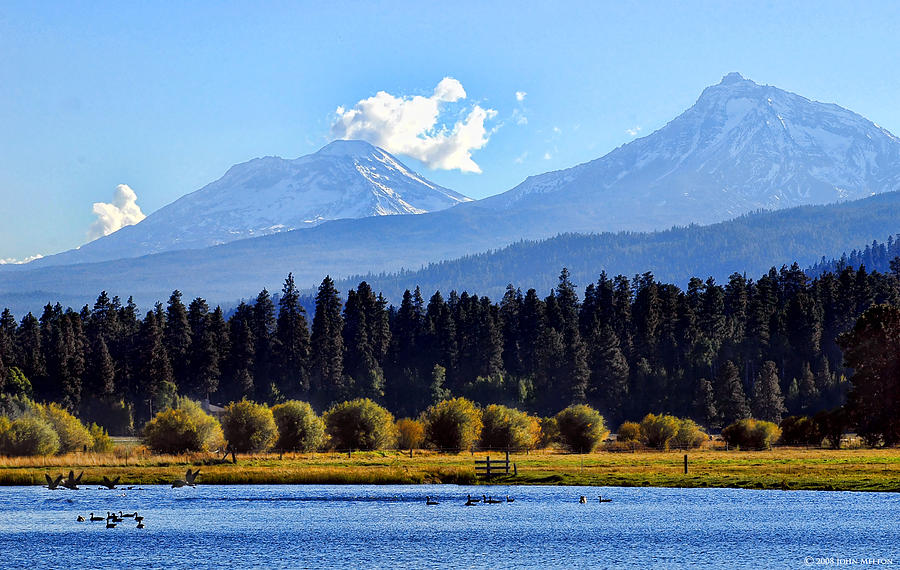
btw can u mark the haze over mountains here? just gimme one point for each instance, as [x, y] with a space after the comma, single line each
[740, 148]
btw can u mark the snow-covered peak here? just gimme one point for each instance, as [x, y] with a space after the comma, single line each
[742, 146]
[345, 179]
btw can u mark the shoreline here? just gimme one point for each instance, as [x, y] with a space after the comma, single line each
[875, 470]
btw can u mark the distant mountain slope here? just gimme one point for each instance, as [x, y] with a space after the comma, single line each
[749, 244]
[345, 179]
[740, 148]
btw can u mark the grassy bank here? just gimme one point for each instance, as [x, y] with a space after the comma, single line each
[782, 468]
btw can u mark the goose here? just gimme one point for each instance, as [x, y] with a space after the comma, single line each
[188, 481]
[53, 484]
[492, 501]
[95, 519]
[110, 483]
[428, 501]
[509, 499]
[72, 481]
[582, 500]
[110, 524]
[130, 515]
[471, 500]
[138, 518]
[112, 517]
[602, 500]
[80, 519]
[140, 525]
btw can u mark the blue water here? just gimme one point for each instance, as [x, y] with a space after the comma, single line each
[391, 526]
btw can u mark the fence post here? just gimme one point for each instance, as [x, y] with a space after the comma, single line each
[685, 463]
[507, 462]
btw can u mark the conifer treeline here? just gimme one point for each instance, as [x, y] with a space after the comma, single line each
[627, 346]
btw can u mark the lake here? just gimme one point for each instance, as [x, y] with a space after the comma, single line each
[390, 526]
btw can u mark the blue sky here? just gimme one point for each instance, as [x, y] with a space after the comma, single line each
[165, 97]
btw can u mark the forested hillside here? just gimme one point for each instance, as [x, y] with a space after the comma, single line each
[628, 346]
[749, 245]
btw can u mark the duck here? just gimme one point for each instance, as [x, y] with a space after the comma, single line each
[80, 519]
[509, 499]
[95, 519]
[582, 500]
[428, 501]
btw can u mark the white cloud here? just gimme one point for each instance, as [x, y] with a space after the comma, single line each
[547, 156]
[409, 126]
[633, 131]
[123, 211]
[520, 95]
[557, 130]
[14, 261]
[520, 117]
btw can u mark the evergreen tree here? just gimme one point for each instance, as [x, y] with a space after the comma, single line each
[327, 346]
[705, 404]
[204, 357]
[263, 327]
[609, 373]
[243, 354]
[177, 339]
[156, 371]
[292, 334]
[730, 397]
[768, 402]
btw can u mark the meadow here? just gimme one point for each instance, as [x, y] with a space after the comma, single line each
[779, 468]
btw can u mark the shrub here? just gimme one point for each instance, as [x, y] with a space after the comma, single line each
[800, 430]
[29, 435]
[508, 428]
[102, 442]
[183, 429]
[17, 385]
[360, 424]
[549, 432]
[751, 434]
[453, 424]
[299, 427]
[248, 426]
[689, 435]
[581, 428]
[658, 431]
[72, 433]
[410, 433]
[628, 432]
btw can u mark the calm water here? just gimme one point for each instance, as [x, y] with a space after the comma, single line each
[390, 526]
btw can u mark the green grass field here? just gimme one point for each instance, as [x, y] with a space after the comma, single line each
[781, 468]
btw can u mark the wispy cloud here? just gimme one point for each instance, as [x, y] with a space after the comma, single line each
[15, 261]
[122, 211]
[521, 158]
[547, 156]
[410, 126]
[633, 131]
[520, 96]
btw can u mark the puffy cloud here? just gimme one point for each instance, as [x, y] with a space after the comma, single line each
[409, 126]
[520, 96]
[633, 131]
[14, 261]
[123, 211]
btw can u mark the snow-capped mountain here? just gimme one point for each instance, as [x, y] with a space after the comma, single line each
[345, 179]
[741, 147]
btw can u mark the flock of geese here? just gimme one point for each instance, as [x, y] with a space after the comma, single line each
[492, 501]
[112, 519]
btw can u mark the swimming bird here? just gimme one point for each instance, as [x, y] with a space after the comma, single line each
[140, 525]
[110, 524]
[470, 501]
[509, 499]
[582, 500]
[72, 481]
[112, 517]
[602, 500]
[53, 484]
[428, 501]
[130, 515]
[492, 501]
[95, 519]
[80, 518]
[110, 484]
[138, 518]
